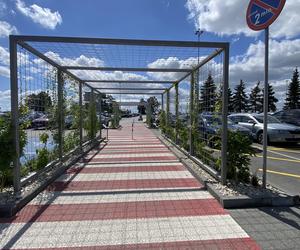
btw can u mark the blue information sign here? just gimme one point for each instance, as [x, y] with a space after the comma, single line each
[262, 13]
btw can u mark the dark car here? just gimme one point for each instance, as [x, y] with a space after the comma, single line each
[291, 116]
[210, 125]
[42, 122]
[69, 121]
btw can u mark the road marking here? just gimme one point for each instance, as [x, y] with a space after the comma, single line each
[285, 150]
[279, 159]
[284, 155]
[281, 173]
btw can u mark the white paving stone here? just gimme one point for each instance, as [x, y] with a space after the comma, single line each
[88, 233]
[126, 176]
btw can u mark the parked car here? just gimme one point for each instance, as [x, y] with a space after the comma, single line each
[210, 124]
[69, 120]
[41, 122]
[277, 131]
[291, 116]
[28, 118]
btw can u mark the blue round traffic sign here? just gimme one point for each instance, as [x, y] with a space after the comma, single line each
[262, 13]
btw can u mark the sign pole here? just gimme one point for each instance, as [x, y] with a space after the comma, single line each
[266, 108]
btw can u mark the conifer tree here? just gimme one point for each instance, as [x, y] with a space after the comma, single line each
[256, 99]
[292, 100]
[208, 95]
[240, 99]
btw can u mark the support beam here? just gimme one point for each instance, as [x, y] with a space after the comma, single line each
[127, 81]
[60, 105]
[137, 89]
[130, 93]
[162, 102]
[224, 116]
[168, 107]
[80, 116]
[191, 127]
[176, 113]
[82, 40]
[15, 115]
[126, 69]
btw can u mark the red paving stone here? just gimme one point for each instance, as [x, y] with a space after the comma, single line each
[94, 170]
[134, 159]
[110, 211]
[125, 184]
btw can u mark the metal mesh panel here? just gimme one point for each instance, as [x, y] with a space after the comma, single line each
[71, 138]
[38, 103]
[209, 120]
[183, 118]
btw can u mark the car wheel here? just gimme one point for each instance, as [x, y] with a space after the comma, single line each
[260, 138]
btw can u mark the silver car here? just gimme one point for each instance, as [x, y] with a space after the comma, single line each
[277, 131]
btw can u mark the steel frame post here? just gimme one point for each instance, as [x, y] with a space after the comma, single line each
[225, 116]
[15, 115]
[80, 116]
[162, 102]
[60, 110]
[266, 109]
[191, 141]
[92, 103]
[168, 108]
[100, 111]
[176, 113]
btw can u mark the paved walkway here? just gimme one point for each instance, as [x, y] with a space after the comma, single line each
[133, 194]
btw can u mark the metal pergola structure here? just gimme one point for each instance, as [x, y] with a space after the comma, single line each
[133, 56]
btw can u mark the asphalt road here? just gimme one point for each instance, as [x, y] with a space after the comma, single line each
[283, 167]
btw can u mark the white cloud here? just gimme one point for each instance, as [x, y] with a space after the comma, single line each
[4, 56]
[4, 100]
[284, 57]
[6, 29]
[229, 18]
[4, 71]
[4, 62]
[78, 61]
[40, 15]
[3, 8]
[171, 62]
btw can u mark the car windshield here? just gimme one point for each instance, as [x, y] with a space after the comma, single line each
[213, 120]
[271, 119]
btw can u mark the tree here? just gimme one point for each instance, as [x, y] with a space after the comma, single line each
[240, 99]
[272, 100]
[230, 101]
[39, 102]
[208, 95]
[142, 107]
[292, 100]
[153, 104]
[256, 99]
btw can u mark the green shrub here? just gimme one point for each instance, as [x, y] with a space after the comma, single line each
[7, 150]
[238, 156]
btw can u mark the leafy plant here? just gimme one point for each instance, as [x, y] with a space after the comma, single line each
[238, 158]
[7, 152]
[115, 121]
[43, 155]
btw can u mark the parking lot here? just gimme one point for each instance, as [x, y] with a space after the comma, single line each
[283, 168]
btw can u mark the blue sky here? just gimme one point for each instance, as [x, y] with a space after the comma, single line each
[222, 20]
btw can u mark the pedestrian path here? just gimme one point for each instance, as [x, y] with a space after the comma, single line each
[133, 194]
